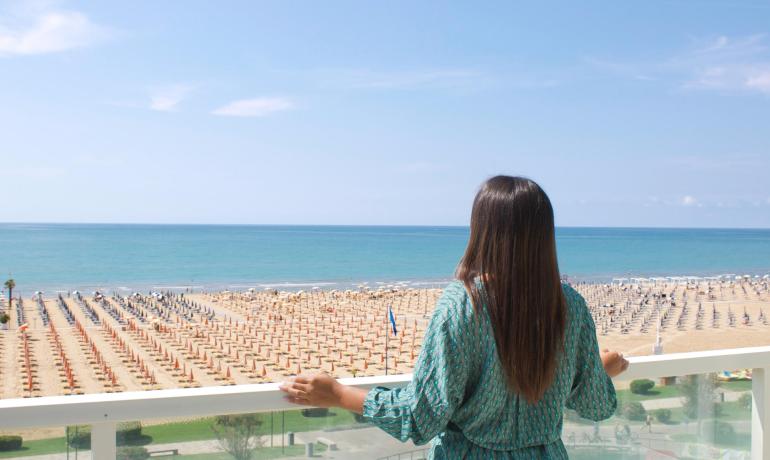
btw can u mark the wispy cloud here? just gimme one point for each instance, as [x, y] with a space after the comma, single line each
[632, 70]
[412, 79]
[689, 200]
[721, 200]
[719, 63]
[168, 98]
[444, 78]
[734, 162]
[759, 81]
[48, 32]
[730, 47]
[257, 107]
[727, 63]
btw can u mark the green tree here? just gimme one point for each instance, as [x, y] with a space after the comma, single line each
[10, 284]
[635, 411]
[238, 435]
[642, 386]
[720, 433]
[744, 402]
[700, 396]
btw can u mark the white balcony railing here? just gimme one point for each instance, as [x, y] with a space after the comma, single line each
[104, 411]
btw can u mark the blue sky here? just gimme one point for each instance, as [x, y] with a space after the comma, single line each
[629, 114]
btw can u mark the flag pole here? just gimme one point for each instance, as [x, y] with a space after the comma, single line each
[387, 336]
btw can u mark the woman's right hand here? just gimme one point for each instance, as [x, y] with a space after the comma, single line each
[614, 362]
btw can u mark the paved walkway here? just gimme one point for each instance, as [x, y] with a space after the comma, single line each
[357, 443]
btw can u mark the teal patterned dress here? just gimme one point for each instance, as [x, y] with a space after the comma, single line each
[458, 398]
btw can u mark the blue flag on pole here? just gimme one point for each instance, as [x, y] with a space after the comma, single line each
[392, 320]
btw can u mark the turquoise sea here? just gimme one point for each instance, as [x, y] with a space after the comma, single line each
[132, 257]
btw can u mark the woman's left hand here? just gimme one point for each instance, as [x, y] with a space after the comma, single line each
[320, 390]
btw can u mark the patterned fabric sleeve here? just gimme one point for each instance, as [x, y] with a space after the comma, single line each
[593, 394]
[422, 409]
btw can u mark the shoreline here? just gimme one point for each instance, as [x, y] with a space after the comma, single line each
[122, 287]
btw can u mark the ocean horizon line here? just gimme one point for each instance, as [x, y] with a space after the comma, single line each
[273, 225]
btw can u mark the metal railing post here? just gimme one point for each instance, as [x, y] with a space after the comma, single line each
[760, 414]
[103, 442]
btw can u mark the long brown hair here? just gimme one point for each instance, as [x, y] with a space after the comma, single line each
[511, 254]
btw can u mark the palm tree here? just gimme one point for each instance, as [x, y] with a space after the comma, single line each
[10, 284]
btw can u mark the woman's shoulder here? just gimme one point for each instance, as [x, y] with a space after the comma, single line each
[454, 304]
[569, 292]
[576, 304]
[454, 297]
[456, 290]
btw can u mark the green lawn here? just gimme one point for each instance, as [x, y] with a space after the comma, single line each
[56, 445]
[731, 411]
[193, 430]
[293, 420]
[737, 385]
[670, 391]
[200, 429]
[37, 447]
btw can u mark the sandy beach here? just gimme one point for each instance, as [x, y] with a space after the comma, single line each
[76, 343]
[688, 316]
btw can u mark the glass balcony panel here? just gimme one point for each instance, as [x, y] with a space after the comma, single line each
[688, 417]
[278, 434]
[696, 416]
